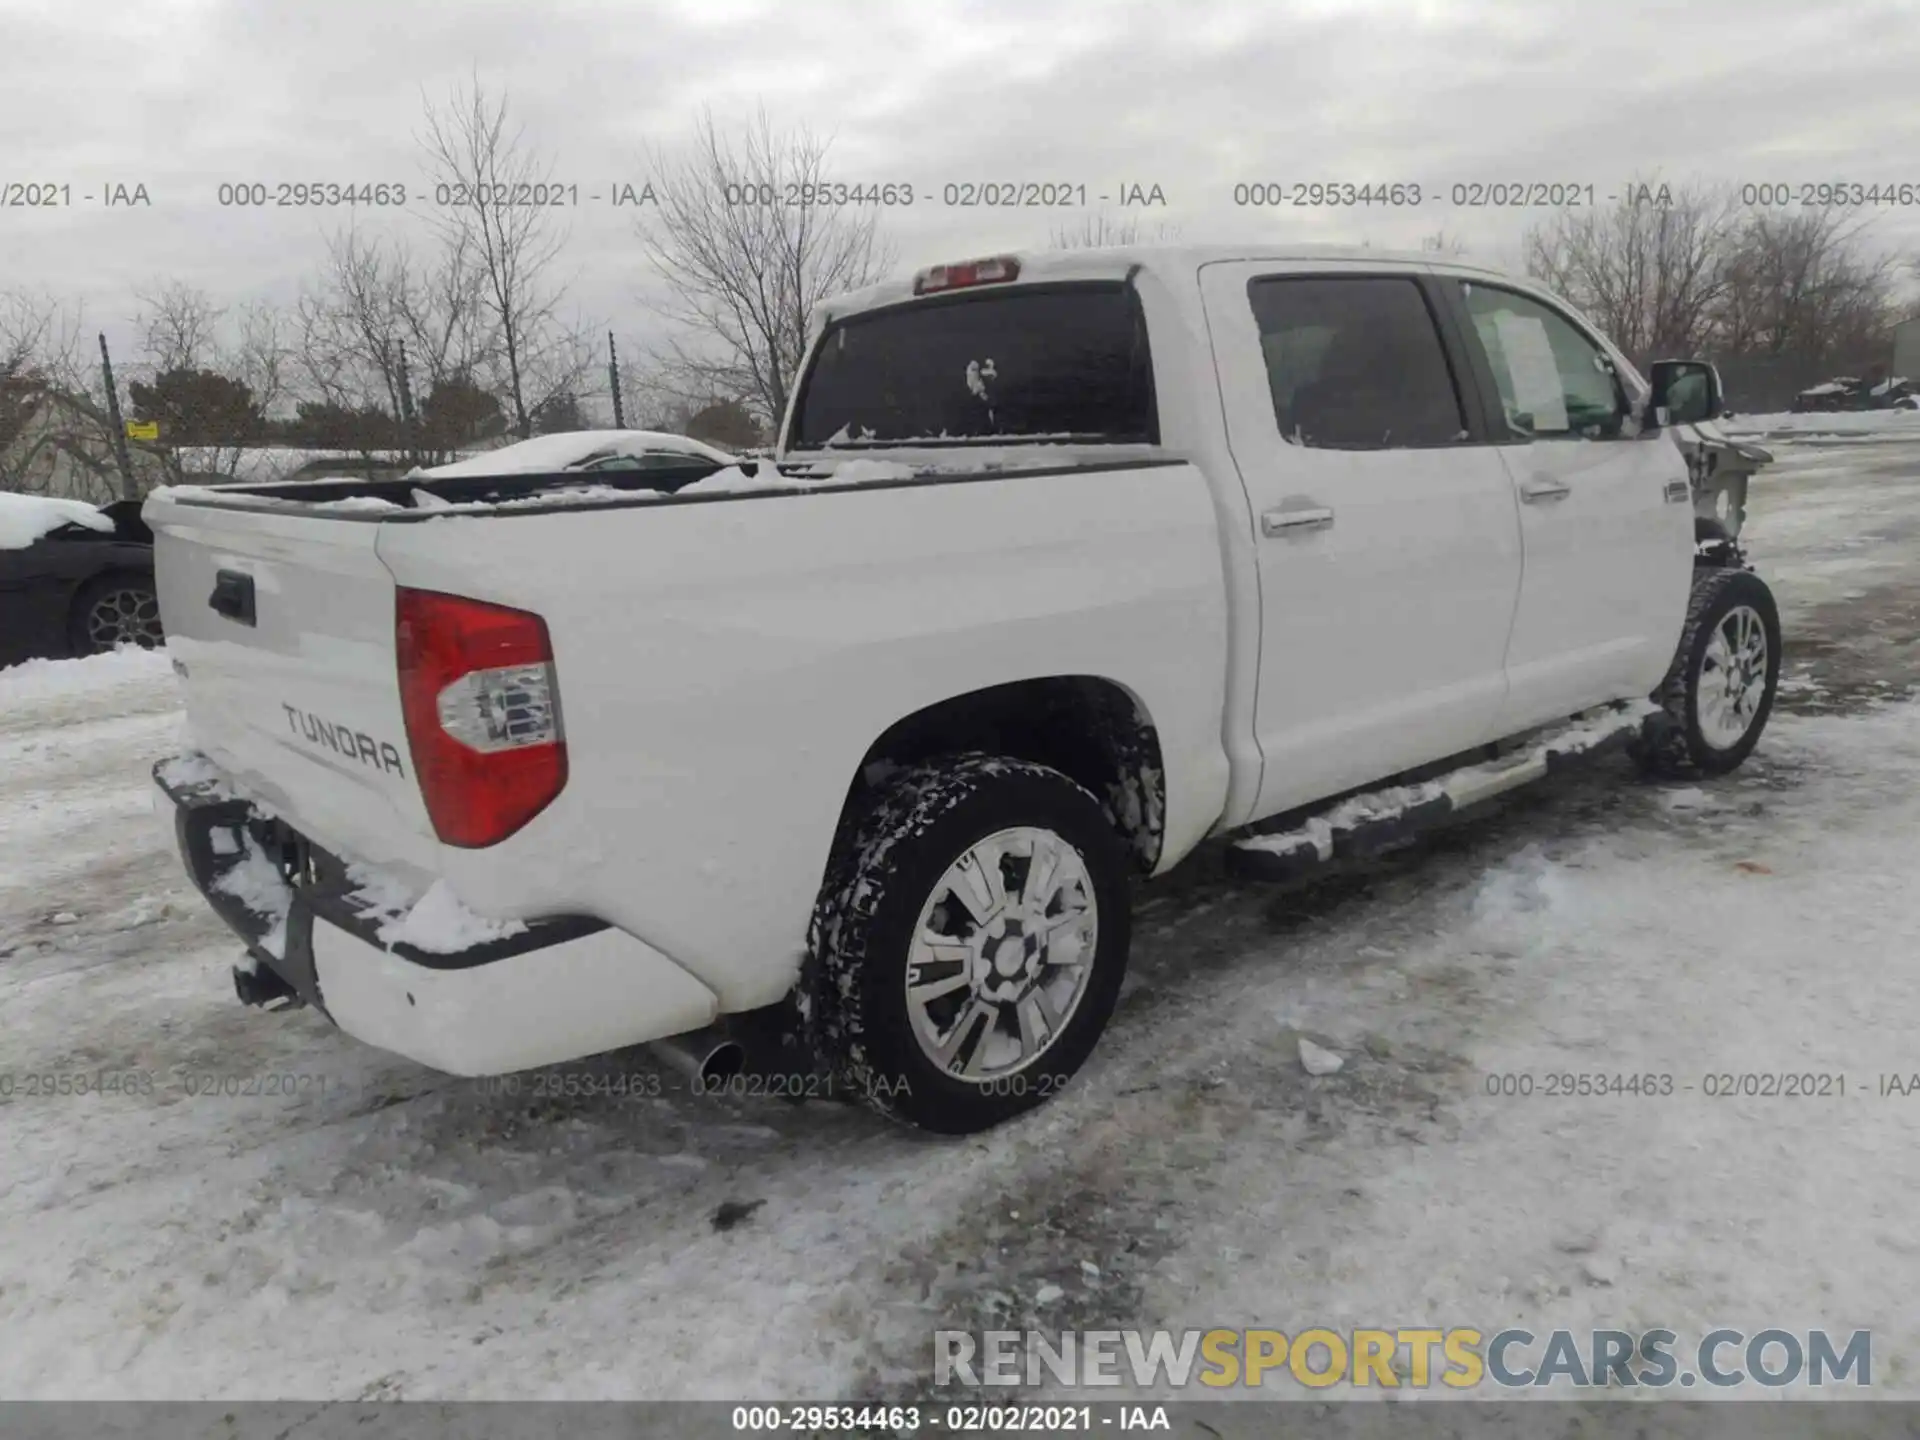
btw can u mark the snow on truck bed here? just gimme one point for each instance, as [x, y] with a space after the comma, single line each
[815, 471]
[730, 479]
[546, 453]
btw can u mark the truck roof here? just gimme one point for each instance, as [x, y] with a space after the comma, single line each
[1114, 262]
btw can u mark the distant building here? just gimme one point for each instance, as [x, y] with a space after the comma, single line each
[62, 447]
[1906, 349]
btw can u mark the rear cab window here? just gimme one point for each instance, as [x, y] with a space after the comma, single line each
[1064, 363]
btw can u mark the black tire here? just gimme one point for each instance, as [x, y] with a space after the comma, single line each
[1672, 743]
[115, 609]
[857, 1015]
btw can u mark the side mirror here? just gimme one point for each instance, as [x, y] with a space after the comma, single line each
[1688, 391]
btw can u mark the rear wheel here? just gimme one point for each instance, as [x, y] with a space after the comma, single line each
[116, 610]
[969, 945]
[1719, 692]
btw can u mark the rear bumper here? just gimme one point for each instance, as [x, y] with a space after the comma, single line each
[561, 989]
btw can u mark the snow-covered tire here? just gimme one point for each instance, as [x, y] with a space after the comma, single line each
[885, 883]
[1697, 732]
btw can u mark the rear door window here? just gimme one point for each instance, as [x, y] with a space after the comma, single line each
[1067, 363]
[1356, 363]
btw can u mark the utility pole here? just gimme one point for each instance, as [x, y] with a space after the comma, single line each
[408, 431]
[120, 452]
[613, 384]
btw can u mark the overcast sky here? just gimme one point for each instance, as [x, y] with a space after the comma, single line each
[182, 95]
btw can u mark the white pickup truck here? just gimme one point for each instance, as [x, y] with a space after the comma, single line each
[1066, 562]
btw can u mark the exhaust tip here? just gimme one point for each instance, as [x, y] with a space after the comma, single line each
[707, 1059]
[723, 1063]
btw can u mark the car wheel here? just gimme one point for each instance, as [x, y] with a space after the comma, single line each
[969, 943]
[113, 611]
[1720, 690]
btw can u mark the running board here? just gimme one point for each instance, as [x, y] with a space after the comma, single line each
[1362, 824]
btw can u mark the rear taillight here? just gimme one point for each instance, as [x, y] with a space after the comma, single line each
[966, 273]
[478, 690]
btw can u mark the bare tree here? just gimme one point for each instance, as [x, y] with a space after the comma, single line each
[381, 329]
[1650, 273]
[187, 335]
[742, 267]
[56, 436]
[1098, 229]
[1441, 243]
[178, 325]
[1807, 284]
[262, 353]
[499, 228]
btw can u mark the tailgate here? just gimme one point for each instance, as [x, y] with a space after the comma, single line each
[282, 628]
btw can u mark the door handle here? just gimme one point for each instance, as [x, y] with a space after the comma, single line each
[1275, 522]
[233, 596]
[1533, 490]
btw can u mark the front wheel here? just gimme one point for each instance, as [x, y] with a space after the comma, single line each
[113, 611]
[969, 943]
[1720, 690]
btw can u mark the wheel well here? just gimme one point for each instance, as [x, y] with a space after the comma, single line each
[1714, 546]
[104, 578]
[1090, 729]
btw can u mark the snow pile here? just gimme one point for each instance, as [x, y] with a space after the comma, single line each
[1317, 1060]
[360, 502]
[186, 771]
[193, 492]
[25, 518]
[572, 495]
[1321, 830]
[1862, 424]
[33, 681]
[730, 480]
[545, 453]
[436, 922]
[734, 479]
[256, 882]
[194, 771]
[266, 464]
[204, 492]
[422, 500]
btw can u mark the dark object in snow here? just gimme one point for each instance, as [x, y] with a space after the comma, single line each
[1849, 392]
[78, 591]
[732, 1212]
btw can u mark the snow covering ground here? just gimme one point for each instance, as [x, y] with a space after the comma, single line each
[1884, 425]
[263, 1208]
